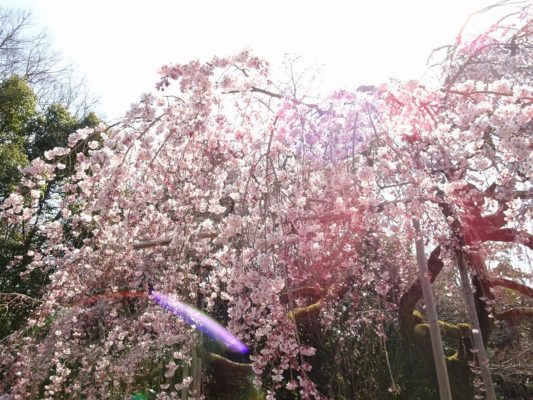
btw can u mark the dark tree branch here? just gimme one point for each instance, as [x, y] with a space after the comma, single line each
[152, 243]
[517, 287]
[514, 314]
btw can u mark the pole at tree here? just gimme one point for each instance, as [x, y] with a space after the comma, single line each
[434, 331]
[479, 346]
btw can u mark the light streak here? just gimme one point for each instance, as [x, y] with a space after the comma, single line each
[201, 321]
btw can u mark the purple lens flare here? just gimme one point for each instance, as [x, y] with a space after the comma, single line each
[197, 319]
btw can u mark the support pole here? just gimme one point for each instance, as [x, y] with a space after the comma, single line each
[434, 331]
[479, 346]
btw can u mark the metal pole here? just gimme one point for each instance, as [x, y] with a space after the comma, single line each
[434, 331]
[479, 346]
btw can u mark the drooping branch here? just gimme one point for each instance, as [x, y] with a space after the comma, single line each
[267, 92]
[152, 243]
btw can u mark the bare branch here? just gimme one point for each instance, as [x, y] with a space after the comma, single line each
[29, 55]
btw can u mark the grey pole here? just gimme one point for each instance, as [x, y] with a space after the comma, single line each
[481, 353]
[434, 331]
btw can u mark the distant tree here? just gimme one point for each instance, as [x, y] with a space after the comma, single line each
[17, 109]
[28, 54]
[52, 128]
[40, 106]
[26, 134]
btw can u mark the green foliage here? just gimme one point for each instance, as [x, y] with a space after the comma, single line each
[139, 396]
[355, 365]
[25, 134]
[12, 157]
[18, 296]
[52, 127]
[17, 108]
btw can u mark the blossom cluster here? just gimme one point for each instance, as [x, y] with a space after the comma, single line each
[230, 195]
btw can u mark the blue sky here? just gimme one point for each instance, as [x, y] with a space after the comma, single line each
[119, 45]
